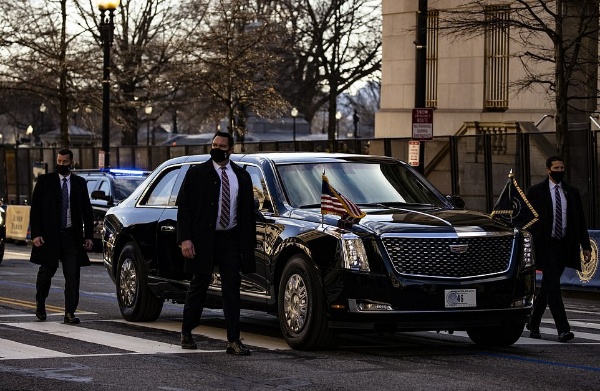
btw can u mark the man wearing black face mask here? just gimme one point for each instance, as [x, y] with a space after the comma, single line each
[60, 211]
[216, 227]
[558, 236]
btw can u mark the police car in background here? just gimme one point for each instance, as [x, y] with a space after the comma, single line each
[107, 188]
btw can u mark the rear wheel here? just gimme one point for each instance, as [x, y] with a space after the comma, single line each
[136, 301]
[504, 335]
[301, 306]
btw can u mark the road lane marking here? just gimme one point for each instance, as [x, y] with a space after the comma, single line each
[10, 350]
[257, 340]
[29, 304]
[128, 344]
[587, 325]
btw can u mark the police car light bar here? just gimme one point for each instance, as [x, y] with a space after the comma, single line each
[120, 171]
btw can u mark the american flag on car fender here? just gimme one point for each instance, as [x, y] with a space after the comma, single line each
[333, 202]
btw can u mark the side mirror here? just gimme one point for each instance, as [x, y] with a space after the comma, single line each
[100, 195]
[457, 201]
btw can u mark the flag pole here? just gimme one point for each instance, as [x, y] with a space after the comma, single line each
[322, 217]
[510, 187]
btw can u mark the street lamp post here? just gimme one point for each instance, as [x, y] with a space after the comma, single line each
[148, 111]
[338, 116]
[42, 112]
[294, 115]
[29, 133]
[107, 29]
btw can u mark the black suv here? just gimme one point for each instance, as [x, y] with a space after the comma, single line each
[107, 188]
[415, 262]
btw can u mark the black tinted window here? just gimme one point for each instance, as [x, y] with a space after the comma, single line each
[162, 188]
[362, 183]
[125, 186]
[260, 189]
[91, 185]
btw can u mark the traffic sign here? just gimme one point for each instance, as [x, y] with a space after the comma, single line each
[413, 153]
[100, 159]
[422, 124]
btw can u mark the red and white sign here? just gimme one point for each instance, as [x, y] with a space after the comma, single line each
[414, 150]
[422, 124]
[101, 159]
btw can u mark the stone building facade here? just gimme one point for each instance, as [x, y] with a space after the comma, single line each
[468, 80]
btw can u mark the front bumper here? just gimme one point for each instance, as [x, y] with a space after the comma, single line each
[371, 301]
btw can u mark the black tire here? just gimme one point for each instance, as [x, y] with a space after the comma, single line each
[136, 302]
[301, 306]
[2, 247]
[497, 336]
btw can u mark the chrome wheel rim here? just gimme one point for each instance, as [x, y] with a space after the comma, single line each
[128, 283]
[295, 303]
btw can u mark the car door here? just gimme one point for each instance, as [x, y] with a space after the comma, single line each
[170, 258]
[255, 287]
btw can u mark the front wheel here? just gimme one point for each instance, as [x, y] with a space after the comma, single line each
[301, 306]
[504, 335]
[136, 301]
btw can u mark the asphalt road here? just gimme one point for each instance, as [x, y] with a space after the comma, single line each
[107, 353]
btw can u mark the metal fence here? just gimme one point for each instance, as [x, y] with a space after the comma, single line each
[474, 167]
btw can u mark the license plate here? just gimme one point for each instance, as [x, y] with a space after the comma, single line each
[460, 298]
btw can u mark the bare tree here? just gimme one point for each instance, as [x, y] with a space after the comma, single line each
[232, 67]
[560, 50]
[151, 38]
[336, 43]
[40, 55]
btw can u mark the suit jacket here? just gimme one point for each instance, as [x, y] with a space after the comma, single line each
[576, 235]
[46, 204]
[198, 203]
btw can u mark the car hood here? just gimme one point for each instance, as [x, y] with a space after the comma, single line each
[429, 221]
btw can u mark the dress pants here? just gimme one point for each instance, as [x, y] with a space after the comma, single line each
[71, 271]
[550, 293]
[227, 259]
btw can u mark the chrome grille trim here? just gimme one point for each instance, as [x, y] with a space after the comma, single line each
[430, 255]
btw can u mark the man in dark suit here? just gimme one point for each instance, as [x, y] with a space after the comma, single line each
[558, 237]
[216, 227]
[60, 212]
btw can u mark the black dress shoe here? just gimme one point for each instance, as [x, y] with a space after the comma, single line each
[70, 319]
[237, 348]
[187, 341]
[533, 332]
[40, 311]
[566, 336]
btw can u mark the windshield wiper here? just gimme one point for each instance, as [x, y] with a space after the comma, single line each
[310, 206]
[395, 204]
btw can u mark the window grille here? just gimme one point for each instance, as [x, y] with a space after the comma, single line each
[432, 59]
[497, 39]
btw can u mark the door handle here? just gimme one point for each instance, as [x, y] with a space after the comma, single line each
[167, 228]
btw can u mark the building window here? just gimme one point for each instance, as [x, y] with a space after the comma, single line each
[497, 40]
[432, 59]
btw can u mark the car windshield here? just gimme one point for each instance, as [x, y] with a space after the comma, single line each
[125, 186]
[364, 183]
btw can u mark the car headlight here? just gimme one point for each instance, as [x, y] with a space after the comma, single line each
[528, 259]
[354, 256]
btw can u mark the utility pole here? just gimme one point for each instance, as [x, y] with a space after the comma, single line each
[420, 74]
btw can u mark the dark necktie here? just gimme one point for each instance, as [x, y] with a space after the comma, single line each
[65, 204]
[558, 227]
[224, 219]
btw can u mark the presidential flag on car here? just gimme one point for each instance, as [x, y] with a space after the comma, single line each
[513, 207]
[334, 202]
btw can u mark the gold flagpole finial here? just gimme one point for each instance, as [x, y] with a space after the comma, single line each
[510, 174]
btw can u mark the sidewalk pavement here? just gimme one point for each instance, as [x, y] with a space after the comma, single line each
[22, 250]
